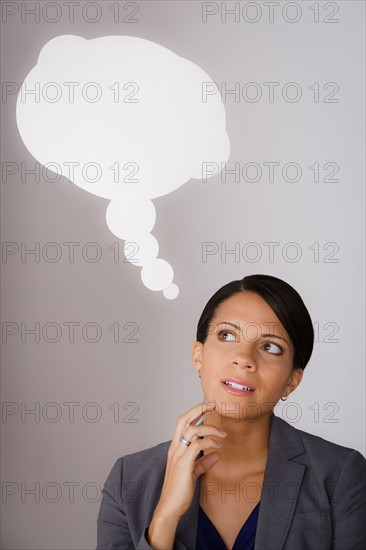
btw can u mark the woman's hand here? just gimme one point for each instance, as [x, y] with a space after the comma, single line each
[182, 472]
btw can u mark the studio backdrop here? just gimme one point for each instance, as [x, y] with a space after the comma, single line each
[153, 151]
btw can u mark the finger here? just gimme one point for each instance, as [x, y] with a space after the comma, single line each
[206, 462]
[203, 430]
[192, 415]
[189, 454]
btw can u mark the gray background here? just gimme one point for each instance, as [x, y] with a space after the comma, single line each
[153, 380]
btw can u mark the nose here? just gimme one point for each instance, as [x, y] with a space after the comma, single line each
[244, 357]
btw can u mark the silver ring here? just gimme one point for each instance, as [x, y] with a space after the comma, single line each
[185, 441]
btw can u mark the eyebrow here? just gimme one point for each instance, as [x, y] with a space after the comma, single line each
[275, 336]
[237, 326]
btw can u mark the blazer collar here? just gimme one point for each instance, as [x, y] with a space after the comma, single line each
[281, 485]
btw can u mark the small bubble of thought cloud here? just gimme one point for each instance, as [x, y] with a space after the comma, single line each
[128, 120]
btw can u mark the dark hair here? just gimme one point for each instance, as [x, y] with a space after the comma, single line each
[286, 303]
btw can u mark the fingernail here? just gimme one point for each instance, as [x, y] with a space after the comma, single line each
[222, 431]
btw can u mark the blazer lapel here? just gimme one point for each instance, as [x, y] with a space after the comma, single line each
[281, 486]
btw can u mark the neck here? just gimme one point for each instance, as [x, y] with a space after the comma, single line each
[246, 443]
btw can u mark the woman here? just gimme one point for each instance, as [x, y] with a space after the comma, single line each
[241, 477]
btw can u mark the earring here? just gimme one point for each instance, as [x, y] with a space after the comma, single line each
[284, 398]
[199, 373]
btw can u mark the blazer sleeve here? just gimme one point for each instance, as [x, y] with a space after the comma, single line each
[349, 505]
[113, 532]
[112, 527]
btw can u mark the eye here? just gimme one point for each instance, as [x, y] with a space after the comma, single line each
[222, 336]
[273, 348]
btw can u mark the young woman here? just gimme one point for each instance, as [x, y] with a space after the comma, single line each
[235, 476]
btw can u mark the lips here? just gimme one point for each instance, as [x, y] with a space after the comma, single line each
[237, 383]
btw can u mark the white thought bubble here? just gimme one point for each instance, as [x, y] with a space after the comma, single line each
[126, 119]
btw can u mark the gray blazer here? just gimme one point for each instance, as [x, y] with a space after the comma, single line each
[313, 497]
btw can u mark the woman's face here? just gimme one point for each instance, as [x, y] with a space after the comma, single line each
[246, 342]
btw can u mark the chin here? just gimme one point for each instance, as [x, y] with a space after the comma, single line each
[239, 409]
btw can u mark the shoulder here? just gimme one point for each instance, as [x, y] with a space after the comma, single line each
[149, 458]
[319, 452]
[140, 464]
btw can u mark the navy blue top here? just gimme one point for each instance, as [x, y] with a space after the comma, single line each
[208, 536]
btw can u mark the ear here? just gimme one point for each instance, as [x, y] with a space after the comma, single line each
[294, 380]
[197, 349]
